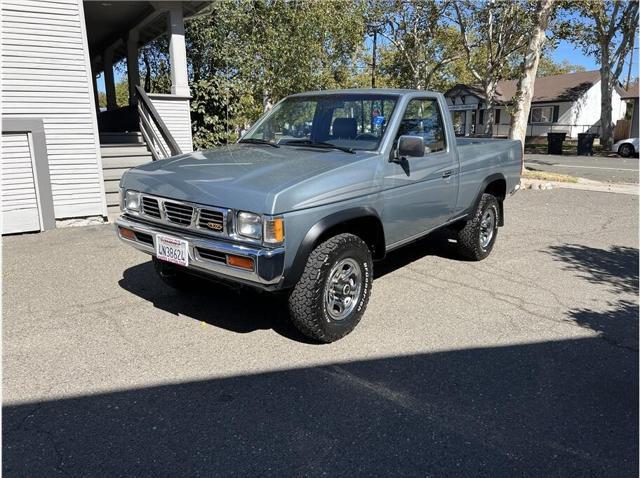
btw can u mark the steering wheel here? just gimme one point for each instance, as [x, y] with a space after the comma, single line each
[366, 136]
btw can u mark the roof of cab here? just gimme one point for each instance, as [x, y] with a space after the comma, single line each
[362, 91]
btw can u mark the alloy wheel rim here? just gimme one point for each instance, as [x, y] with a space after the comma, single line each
[487, 227]
[343, 288]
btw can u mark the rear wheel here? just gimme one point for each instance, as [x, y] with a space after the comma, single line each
[331, 296]
[626, 150]
[477, 237]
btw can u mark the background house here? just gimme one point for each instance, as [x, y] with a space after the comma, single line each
[561, 103]
[61, 157]
[628, 128]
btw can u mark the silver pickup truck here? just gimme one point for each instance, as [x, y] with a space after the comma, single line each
[320, 187]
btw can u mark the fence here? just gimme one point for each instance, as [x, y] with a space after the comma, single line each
[533, 130]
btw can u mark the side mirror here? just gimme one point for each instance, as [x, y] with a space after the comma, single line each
[410, 146]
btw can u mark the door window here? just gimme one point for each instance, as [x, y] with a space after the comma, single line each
[422, 118]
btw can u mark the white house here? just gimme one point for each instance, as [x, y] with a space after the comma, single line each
[561, 103]
[61, 157]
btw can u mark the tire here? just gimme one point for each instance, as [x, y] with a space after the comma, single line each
[172, 276]
[626, 150]
[315, 304]
[477, 237]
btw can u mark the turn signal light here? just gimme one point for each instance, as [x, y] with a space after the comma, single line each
[239, 261]
[127, 233]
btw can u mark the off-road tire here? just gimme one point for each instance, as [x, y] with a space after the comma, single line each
[172, 276]
[469, 244]
[307, 307]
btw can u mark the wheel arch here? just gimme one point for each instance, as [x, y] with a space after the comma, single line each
[362, 221]
[496, 185]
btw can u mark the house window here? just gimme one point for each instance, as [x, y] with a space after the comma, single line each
[542, 114]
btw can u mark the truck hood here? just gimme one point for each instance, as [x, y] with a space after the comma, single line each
[255, 178]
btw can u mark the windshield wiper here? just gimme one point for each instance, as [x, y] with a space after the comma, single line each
[319, 144]
[259, 141]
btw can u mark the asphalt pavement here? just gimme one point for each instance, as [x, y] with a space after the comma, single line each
[525, 364]
[597, 168]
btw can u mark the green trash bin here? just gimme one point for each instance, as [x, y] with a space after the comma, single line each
[554, 142]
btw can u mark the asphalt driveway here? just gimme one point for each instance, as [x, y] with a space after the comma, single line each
[596, 168]
[525, 364]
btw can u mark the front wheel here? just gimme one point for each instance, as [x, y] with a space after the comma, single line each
[477, 237]
[331, 296]
[626, 150]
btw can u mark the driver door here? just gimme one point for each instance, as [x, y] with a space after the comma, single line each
[420, 192]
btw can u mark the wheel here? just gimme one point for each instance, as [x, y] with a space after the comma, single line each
[331, 296]
[172, 276]
[477, 237]
[626, 150]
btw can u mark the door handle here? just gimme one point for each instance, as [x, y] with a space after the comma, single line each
[447, 173]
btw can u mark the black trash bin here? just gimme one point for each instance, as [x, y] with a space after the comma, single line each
[585, 144]
[554, 142]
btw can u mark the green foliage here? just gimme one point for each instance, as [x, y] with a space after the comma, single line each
[247, 55]
[548, 67]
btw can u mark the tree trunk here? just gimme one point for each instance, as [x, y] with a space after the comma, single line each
[490, 102]
[606, 85]
[527, 80]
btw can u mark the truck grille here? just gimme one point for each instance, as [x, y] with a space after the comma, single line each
[178, 213]
[211, 220]
[201, 219]
[150, 207]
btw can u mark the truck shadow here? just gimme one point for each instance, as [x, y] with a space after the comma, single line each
[561, 408]
[244, 310]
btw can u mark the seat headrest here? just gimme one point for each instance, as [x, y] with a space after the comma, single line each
[346, 128]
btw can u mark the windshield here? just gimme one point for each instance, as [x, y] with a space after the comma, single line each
[346, 121]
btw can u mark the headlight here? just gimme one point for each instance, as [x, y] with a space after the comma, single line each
[274, 230]
[132, 200]
[249, 225]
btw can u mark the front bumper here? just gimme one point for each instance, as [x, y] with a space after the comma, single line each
[268, 263]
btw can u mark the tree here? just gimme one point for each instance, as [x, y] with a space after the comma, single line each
[422, 43]
[529, 70]
[491, 34]
[548, 67]
[247, 55]
[604, 29]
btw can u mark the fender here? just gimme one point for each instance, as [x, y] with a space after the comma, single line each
[483, 187]
[293, 274]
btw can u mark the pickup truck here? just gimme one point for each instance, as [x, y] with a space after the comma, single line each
[320, 187]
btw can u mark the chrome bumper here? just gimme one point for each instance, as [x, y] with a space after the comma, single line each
[268, 263]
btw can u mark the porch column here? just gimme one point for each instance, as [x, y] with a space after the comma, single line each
[177, 52]
[132, 65]
[109, 82]
[95, 91]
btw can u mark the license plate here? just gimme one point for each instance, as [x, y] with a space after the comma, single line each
[172, 249]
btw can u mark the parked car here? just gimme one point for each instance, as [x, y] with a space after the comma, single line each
[376, 169]
[626, 147]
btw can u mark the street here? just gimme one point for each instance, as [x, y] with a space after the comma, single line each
[596, 168]
[525, 364]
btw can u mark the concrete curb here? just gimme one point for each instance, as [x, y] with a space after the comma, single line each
[582, 184]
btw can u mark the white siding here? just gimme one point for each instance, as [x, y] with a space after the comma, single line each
[175, 112]
[19, 196]
[46, 75]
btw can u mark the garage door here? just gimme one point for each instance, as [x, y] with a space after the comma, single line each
[19, 197]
